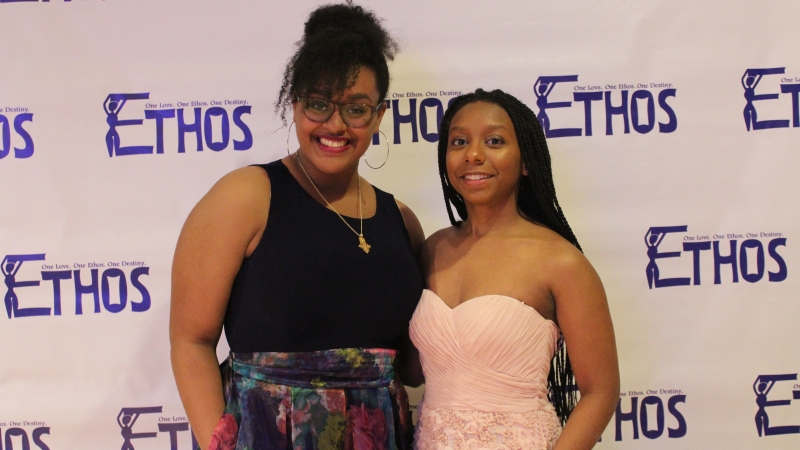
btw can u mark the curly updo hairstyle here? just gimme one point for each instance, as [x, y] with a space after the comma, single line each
[536, 200]
[337, 41]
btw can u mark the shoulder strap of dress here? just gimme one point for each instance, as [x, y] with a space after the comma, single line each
[275, 170]
[280, 179]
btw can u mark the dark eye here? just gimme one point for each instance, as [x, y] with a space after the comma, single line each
[458, 142]
[317, 104]
[355, 110]
[495, 141]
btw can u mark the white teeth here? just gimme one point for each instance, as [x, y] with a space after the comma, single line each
[329, 143]
[475, 177]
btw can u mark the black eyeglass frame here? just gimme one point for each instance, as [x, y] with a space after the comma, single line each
[341, 106]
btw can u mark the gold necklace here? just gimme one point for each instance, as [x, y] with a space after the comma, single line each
[362, 243]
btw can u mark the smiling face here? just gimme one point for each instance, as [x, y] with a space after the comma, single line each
[483, 160]
[333, 146]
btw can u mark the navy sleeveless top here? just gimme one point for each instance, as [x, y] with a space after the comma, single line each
[308, 286]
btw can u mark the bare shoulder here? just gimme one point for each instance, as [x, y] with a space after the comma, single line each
[242, 185]
[560, 257]
[236, 207]
[434, 242]
[570, 277]
[442, 237]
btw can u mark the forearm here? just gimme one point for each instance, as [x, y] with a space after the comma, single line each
[197, 375]
[587, 422]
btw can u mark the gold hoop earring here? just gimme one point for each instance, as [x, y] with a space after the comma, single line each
[288, 135]
[387, 153]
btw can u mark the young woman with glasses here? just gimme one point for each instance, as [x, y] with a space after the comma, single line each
[311, 270]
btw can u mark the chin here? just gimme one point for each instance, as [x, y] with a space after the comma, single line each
[334, 163]
[477, 200]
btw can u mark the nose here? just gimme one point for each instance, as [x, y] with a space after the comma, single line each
[474, 153]
[335, 122]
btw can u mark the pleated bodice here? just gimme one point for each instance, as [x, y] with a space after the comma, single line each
[490, 353]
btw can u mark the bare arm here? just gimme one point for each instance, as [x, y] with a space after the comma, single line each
[224, 228]
[585, 321]
[407, 364]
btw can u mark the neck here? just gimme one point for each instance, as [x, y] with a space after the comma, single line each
[492, 218]
[332, 186]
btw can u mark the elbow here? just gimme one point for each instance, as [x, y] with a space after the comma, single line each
[605, 397]
[610, 396]
[184, 349]
[610, 393]
[413, 381]
[411, 376]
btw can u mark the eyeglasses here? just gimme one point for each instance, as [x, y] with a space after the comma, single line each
[353, 114]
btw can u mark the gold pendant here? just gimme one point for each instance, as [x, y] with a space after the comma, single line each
[362, 243]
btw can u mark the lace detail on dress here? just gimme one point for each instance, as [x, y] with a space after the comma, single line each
[450, 429]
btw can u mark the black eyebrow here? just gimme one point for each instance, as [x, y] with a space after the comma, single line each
[496, 127]
[490, 127]
[353, 97]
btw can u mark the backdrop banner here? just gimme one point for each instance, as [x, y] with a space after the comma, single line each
[673, 129]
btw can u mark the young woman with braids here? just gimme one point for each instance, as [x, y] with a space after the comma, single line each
[506, 283]
[311, 270]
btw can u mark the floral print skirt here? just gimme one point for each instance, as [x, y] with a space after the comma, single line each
[346, 399]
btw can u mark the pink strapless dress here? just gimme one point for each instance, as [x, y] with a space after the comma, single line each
[486, 364]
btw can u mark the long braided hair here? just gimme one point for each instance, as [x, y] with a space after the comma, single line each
[536, 200]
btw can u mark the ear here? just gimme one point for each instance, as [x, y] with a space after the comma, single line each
[296, 106]
[524, 170]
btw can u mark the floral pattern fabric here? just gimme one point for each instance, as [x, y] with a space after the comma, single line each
[343, 399]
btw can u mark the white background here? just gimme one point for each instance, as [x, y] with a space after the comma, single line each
[73, 202]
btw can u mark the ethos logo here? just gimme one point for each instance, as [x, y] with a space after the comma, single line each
[208, 122]
[109, 288]
[745, 255]
[646, 411]
[418, 112]
[762, 387]
[173, 426]
[14, 118]
[634, 104]
[789, 85]
[22, 434]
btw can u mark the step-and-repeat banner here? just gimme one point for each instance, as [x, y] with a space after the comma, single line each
[673, 128]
